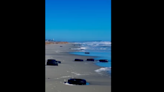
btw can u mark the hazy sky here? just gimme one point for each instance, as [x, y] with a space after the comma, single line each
[73, 20]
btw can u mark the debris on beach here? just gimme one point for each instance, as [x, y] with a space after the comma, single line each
[76, 81]
[90, 59]
[59, 61]
[52, 62]
[78, 59]
[103, 60]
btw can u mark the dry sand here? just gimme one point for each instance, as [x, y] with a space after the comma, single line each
[56, 75]
[49, 42]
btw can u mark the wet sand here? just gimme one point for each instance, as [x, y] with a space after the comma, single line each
[56, 75]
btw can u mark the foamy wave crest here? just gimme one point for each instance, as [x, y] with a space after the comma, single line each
[81, 48]
[94, 45]
[104, 69]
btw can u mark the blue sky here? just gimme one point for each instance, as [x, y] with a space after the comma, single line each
[77, 20]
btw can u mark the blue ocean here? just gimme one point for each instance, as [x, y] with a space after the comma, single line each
[100, 49]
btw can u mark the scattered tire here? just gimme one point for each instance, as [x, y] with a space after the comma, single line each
[76, 81]
[90, 60]
[59, 61]
[78, 59]
[103, 60]
[52, 62]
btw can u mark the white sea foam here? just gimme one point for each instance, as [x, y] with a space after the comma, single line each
[94, 45]
[69, 84]
[81, 48]
[104, 69]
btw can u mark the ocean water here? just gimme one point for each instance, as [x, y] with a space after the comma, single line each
[100, 49]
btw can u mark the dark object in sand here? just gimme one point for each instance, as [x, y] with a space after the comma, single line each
[78, 59]
[90, 59]
[59, 61]
[52, 62]
[103, 60]
[77, 81]
[86, 52]
[61, 46]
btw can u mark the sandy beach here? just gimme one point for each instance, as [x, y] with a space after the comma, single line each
[56, 75]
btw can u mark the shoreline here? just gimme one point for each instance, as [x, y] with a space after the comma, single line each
[56, 75]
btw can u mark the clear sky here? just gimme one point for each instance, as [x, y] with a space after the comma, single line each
[77, 20]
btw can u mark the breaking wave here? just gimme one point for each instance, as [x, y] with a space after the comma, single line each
[95, 45]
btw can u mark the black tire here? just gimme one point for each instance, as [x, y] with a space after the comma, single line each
[78, 60]
[52, 62]
[59, 62]
[77, 81]
[103, 60]
[90, 60]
